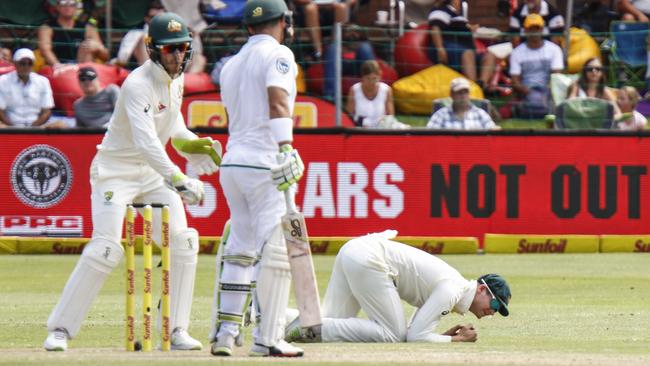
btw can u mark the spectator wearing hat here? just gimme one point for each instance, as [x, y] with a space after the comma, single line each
[65, 40]
[531, 65]
[462, 114]
[553, 27]
[25, 97]
[96, 106]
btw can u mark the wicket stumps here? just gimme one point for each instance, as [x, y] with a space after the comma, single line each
[147, 254]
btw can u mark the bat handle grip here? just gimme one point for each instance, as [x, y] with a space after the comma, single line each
[289, 198]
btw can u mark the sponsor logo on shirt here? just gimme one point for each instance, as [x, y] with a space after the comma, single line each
[282, 65]
[108, 195]
[41, 176]
[161, 107]
[146, 108]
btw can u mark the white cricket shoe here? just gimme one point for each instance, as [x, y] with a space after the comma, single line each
[223, 345]
[57, 340]
[281, 349]
[182, 341]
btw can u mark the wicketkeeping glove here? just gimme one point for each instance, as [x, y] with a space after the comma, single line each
[190, 189]
[289, 169]
[203, 155]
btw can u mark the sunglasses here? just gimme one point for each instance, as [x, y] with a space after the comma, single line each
[494, 303]
[171, 48]
[24, 63]
[593, 69]
[86, 78]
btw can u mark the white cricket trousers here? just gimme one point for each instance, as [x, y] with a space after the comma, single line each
[115, 183]
[361, 279]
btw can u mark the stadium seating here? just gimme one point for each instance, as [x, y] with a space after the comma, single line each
[628, 53]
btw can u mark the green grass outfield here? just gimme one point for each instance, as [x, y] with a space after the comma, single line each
[580, 309]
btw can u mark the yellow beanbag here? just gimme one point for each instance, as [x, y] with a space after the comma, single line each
[414, 94]
[582, 48]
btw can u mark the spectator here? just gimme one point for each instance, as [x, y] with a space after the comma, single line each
[306, 14]
[553, 20]
[452, 43]
[25, 97]
[628, 98]
[355, 51]
[370, 100]
[592, 83]
[638, 10]
[132, 43]
[65, 40]
[531, 65]
[96, 106]
[553, 26]
[462, 114]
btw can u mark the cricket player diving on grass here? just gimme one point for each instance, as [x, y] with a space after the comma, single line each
[258, 89]
[132, 166]
[375, 273]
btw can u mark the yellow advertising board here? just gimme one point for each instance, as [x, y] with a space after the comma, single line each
[212, 113]
[527, 243]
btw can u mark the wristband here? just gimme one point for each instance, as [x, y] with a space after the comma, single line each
[281, 129]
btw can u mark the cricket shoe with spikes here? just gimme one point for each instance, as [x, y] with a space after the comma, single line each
[295, 333]
[223, 345]
[182, 341]
[57, 340]
[281, 349]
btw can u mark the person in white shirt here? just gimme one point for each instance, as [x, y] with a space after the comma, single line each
[531, 65]
[462, 114]
[132, 166]
[25, 97]
[370, 99]
[258, 89]
[375, 274]
[628, 98]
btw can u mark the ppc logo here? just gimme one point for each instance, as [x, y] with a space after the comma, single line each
[41, 176]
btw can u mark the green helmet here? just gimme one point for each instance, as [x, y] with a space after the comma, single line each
[168, 28]
[262, 11]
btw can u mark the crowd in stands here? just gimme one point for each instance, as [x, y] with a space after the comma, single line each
[512, 64]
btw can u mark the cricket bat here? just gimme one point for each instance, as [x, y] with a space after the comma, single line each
[302, 266]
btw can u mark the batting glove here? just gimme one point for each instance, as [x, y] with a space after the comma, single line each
[190, 189]
[203, 155]
[289, 169]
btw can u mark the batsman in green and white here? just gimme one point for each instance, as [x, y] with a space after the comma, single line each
[258, 89]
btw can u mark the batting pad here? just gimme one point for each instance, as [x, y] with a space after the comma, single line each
[272, 292]
[527, 243]
[183, 253]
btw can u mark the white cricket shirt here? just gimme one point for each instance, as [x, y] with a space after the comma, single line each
[427, 283]
[146, 115]
[261, 63]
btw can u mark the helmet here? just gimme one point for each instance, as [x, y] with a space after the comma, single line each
[168, 29]
[262, 11]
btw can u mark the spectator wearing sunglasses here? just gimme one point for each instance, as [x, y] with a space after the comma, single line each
[25, 97]
[375, 274]
[65, 40]
[95, 107]
[592, 83]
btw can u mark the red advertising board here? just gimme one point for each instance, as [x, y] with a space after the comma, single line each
[419, 184]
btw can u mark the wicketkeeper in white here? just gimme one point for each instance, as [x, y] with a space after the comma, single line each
[258, 89]
[375, 273]
[131, 165]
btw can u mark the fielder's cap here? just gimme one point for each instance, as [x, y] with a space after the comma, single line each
[459, 84]
[500, 289]
[87, 73]
[533, 20]
[24, 53]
